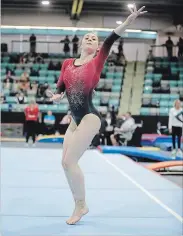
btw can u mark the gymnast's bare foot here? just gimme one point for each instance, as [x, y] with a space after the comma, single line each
[80, 210]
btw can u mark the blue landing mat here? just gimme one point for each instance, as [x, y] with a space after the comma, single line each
[137, 152]
[167, 146]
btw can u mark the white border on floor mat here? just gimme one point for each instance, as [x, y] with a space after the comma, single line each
[139, 186]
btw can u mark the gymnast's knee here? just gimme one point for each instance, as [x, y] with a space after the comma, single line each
[66, 164]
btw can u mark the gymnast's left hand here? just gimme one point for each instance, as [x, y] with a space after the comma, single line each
[134, 14]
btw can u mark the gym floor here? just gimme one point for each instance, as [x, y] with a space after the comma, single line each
[124, 197]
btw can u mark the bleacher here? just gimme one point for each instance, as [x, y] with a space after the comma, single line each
[163, 83]
[107, 94]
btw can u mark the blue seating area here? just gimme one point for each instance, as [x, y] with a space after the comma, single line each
[163, 83]
[107, 94]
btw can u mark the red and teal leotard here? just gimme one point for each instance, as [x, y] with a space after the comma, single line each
[80, 81]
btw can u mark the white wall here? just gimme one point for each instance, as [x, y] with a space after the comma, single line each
[161, 51]
[41, 18]
[130, 46]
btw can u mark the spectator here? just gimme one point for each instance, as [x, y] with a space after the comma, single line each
[34, 87]
[180, 47]
[175, 128]
[15, 88]
[8, 78]
[120, 46]
[24, 83]
[125, 131]
[66, 42]
[64, 123]
[51, 66]
[24, 76]
[150, 55]
[8, 81]
[39, 59]
[2, 98]
[49, 122]
[169, 47]
[32, 41]
[31, 117]
[75, 42]
[21, 99]
[109, 128]
[112, 57]
[121, 59]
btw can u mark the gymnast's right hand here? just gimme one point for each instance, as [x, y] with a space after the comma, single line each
[56, 97]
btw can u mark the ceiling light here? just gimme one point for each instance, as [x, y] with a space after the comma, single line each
[130, 5]
[133, 31]
[45, 2]
[118, 22]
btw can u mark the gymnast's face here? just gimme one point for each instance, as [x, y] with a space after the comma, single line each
[90, 43]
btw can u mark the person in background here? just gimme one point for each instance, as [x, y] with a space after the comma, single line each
[75, 42]
[121, 60]
[112, 57]
[21, 99]
[64, 123]
[8, 78]
[109, 128]
[180, 47]
[24, 83]
[126, 130]
[8, 81]
[39, 59]
[2, 98]
[66, 42]
[32, 41]
[175, 127]
[120, 46]
[49, 123]
[169, 47]
[31, 117]
[150, 55]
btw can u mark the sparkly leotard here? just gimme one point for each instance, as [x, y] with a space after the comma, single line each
[80, 81]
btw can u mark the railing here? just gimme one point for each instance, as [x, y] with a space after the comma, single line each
[163, 51]
[41, 46]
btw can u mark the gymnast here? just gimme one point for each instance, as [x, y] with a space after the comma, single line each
[78, 79]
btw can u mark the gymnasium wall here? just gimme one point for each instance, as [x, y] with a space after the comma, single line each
[132, 47]
[55, 19]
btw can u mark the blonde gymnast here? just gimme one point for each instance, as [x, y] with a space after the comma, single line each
[79, 78]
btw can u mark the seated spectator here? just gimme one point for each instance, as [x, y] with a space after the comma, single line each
[2, 98]
[39, 59]
[21, 99]
[24, 58]
[24, 76]
[15, 88]
[112, 57]
[24, 84]
[49, 122]
[51, 66]
[33, 72]
[7, 83]
[125, 131]
[121, 59]
[64, 123]
[109, 129]
[33, 87]
[8, 78]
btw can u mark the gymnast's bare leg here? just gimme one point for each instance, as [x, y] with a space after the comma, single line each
[76, 144]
